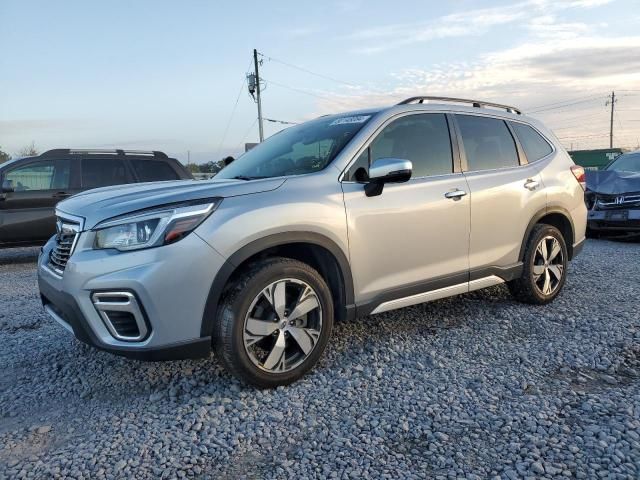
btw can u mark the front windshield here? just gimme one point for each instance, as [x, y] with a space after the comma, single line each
[629, 162]
[305, 148]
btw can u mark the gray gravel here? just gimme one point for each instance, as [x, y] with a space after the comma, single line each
[476, 386]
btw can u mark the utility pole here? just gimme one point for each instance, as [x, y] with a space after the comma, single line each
[255, 63]
[613, 102]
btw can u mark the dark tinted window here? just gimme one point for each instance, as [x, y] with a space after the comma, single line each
[487, 143]
[46, 175]
[535, 147]
[423, 139]
[153, 170]
[102, 172]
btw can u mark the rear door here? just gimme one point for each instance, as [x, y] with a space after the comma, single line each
[27, 214]
[506, 192]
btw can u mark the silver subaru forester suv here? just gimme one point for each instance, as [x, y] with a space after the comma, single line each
[343, 216]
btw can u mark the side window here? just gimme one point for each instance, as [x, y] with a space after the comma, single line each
[153, 170]
[535, 147]
[422, 138]
[100, 172]
[45, 175]
[487, 143]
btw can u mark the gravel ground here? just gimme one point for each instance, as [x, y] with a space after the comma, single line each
[476, 386]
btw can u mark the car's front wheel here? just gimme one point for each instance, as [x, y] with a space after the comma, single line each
[545, 266]
[274, 322]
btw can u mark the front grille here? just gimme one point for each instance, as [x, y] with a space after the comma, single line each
[606, 202]
[66, 236]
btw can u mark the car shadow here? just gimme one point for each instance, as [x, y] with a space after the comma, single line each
[22, 255]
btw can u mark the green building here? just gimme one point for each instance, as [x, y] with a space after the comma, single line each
[594, 159]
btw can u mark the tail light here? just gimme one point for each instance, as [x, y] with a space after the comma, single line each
[578, 172]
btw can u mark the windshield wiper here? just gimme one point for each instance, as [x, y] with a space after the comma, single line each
[245, 177]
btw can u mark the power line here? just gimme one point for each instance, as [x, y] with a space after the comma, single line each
[305, 70]
[559, 102]
[295, 89]
[233, 112]
[566, 105]
[226, 130]
[247, 134]
[279, 121]
[305, 92]
[600, 135]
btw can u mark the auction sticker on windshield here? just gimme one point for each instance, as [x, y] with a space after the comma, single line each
[355, 119]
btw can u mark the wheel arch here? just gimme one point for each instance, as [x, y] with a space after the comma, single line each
[558, 217]
[315, 249]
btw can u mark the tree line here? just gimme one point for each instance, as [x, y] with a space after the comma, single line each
[28, 151]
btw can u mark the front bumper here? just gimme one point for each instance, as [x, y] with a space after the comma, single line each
[170, 282]
[600, 220]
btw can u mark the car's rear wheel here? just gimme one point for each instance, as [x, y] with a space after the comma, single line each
[274, 323]
[545, 267]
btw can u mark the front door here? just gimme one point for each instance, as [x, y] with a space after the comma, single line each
[414, 237]
[27, 214]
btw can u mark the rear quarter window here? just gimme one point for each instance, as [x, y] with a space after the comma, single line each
[153, 171]
[534, 145]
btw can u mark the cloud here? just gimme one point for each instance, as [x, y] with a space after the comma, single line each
[475, 22]
[537, 72]
[591, 63]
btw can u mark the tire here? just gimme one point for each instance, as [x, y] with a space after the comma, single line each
[532, 286]
[256, 336]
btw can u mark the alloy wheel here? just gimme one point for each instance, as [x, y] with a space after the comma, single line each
[282, 325]
[548, 265]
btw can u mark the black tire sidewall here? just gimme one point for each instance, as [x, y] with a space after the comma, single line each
[278, 271]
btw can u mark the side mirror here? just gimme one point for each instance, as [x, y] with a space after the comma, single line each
[228, 160]
[7, 186]
[387, 170]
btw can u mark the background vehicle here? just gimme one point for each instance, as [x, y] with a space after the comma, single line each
[32, 186]
[613, 197]
[345, 215]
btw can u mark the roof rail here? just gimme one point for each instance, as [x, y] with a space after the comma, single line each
[98, 151]
[475, 103]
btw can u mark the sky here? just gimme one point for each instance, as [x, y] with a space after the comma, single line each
[170, 76]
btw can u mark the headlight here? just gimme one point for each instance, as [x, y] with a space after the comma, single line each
[152, 228]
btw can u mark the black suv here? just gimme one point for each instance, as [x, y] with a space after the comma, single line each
[32, 186]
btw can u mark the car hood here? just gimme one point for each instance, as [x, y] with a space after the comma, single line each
[613, 182]
[108, 202]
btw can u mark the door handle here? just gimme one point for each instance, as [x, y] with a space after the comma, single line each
[456, 194]
[61, 195]
[531, 184]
